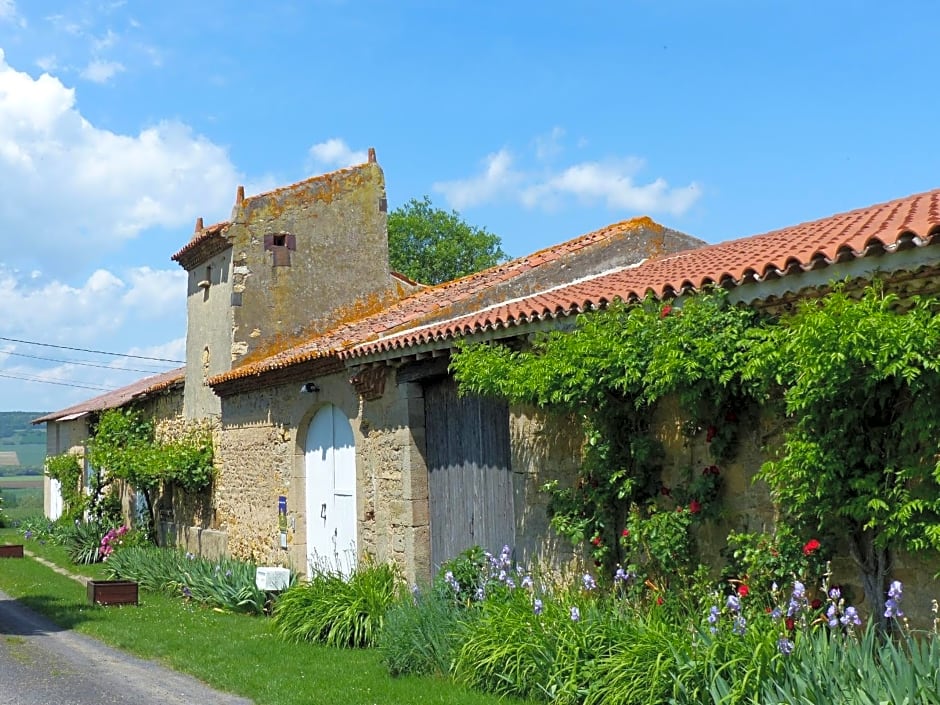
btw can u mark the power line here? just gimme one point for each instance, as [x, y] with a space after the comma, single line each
[94, 352]
[79, 362]
[24, 378]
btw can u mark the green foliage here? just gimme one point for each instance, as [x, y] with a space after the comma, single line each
[67, 469]
[610, 372]
[421, 634]
[338, 611]
[864, 671]
[82, 540]
[860, 382]
[432, 246]
[762, 559]
[125, 446]
[510, 649]
[658, 544]
[225, 583]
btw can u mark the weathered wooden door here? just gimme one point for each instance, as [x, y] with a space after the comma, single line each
[469, 479]
[330, 465]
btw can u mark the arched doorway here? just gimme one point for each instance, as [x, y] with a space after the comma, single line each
[330, 472]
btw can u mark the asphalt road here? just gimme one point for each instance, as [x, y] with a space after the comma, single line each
[42, 664]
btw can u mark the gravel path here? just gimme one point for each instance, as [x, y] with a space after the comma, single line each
[42, 664]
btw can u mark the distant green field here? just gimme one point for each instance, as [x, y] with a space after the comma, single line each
[31, 455]
[21, 503]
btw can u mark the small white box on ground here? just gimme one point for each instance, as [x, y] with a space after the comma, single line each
[270, 579]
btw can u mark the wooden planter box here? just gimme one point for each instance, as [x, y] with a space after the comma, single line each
[112, 592]
[14, 551]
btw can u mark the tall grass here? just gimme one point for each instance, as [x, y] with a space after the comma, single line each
[338, 611]
[421, 634]
[225, 583]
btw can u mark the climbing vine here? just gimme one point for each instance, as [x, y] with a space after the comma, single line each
[124, 443]
[67, 470]
[855, 378]
[859, 379]
[610, 373]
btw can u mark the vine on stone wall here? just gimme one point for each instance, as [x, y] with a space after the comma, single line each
[124, 444]
[857, 380]
[66, 468]
[611, 371]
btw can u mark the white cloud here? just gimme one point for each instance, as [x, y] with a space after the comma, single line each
[335, 153]
[73, 191]
[98, 71]
[98, 314]
[48, 63]
[8, 13]
[612, 183]
[498, 179]
[547, 147]
[100, 306]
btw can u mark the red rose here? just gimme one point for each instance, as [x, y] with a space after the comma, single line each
[710, 434]
[791, 623]
[596, 540]
[660, 600]
[810, 547]
[743, 590]
[694, 506]
[816, 604]
[665, 311]
[626, 533]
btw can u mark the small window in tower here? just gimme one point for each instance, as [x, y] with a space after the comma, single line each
[280, 245]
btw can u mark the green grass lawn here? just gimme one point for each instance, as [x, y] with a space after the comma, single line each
[234, 653]
[21, 503]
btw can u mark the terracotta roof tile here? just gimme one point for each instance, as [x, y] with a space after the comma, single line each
[431, 303]
[888, 227]
[199, 239]
[898, 224]
[114, 399]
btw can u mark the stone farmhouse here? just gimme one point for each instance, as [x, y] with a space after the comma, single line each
[338, 430]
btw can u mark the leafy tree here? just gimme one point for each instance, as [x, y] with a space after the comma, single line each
[860, 381]
[432, 246]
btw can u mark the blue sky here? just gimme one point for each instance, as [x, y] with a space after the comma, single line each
[121, 122]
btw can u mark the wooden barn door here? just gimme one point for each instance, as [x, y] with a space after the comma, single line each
[469, 479]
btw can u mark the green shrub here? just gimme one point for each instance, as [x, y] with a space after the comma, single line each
[40, 528]
[337, 611]
[868, 670]
[421, 634]
[532, 646]
[226, 583]
[82, 541]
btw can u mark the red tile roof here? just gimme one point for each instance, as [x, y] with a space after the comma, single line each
[119, 397]
[422, 318]
[887, 227]
[437, 302]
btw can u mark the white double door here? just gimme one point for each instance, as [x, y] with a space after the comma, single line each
[330, 464]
